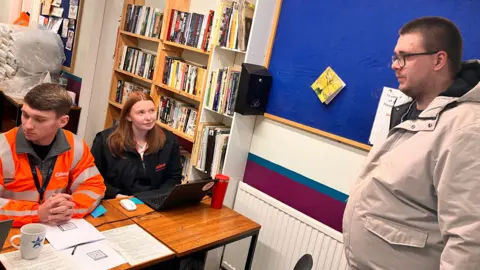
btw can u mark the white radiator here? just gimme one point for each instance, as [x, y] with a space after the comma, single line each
[286, 235]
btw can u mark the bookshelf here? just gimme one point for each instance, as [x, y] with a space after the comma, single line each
[140, 36]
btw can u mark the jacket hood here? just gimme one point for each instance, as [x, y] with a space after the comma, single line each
[466, 84]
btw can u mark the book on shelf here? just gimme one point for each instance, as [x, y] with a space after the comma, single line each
[231, 25]
[178, 115]
[185, 160]
[124, 88]
[183, 75]
[221, 90]
[138, 62]
[142, 20]
[210, 148]
[190, 29]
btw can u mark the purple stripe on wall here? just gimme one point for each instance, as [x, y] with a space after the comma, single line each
[312, 203]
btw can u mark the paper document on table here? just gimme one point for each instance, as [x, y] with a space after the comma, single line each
[97, 255]
[49, 259]
[136, 245]
[381, 126]
[74, 232]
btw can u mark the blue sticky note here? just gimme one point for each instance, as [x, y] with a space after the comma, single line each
[100, 210]
[136, 201]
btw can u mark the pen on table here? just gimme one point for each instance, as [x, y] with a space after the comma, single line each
[75, 247]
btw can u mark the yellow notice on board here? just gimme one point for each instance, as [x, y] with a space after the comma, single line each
[328, 85]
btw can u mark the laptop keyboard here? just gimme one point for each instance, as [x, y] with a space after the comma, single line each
[158, 200]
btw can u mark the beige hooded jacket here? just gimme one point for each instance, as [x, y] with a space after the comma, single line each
[416, 204]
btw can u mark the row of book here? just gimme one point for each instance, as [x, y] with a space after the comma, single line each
[209, 152]
[124, 89]
[178, 115]
[191, 29]
[232, 24]
[138, 62]
[222, 90]
[183, 76]
[142, 20]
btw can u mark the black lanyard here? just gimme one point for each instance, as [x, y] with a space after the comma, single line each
[46, 179]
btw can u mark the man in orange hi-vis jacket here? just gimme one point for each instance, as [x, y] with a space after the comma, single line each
[47, 174]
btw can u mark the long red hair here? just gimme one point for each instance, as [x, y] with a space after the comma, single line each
[122, 138]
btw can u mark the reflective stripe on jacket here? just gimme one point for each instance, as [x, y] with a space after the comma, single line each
[74, 173]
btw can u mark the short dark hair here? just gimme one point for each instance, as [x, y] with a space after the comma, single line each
[439, 34]
[49, 97]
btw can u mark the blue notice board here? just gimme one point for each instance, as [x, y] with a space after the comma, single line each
[356, 38]
[75, 28]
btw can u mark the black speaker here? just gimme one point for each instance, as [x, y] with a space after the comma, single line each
[253, 90]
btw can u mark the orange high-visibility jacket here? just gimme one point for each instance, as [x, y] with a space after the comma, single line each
[74, 172]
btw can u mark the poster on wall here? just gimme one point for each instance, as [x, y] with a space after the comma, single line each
[70, 38]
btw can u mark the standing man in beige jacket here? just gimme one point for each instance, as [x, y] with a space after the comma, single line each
[416, 204]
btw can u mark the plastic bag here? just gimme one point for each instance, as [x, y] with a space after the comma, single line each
[37, 51]
[17, 87]
[32, 55]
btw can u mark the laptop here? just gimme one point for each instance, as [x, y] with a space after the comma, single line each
[5, 227]
[180, 195]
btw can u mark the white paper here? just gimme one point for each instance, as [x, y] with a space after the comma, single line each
[74, 232]
[381, 126]
[54, 24]
[48, 259]
[72, 12]
[41, 20]
[70, 39]
[65, 28]
[135, 244]
[57, 3]
[98, 255]
[56, 12]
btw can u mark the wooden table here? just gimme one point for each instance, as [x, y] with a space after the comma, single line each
[112, 219]
[142, 209]
[186, 230]
[200, 228]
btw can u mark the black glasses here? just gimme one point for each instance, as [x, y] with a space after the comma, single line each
[402, 59]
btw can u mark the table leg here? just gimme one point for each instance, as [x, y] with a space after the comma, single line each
[251, 251]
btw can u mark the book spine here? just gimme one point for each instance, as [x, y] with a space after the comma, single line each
[127, 24]
[208, 30]
[171, 26]
[198, 26]
[119, 90]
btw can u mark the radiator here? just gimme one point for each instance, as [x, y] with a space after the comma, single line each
[286, 235]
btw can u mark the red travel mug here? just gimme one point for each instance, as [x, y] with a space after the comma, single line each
[219, 191]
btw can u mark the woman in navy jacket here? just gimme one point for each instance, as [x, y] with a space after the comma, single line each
[137, 155]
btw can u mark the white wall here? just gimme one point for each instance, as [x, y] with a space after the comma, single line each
[87, 54]
[5, 9]
[328, 162]
[103, 70]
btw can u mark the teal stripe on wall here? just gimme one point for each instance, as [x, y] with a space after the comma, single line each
[299, 178]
